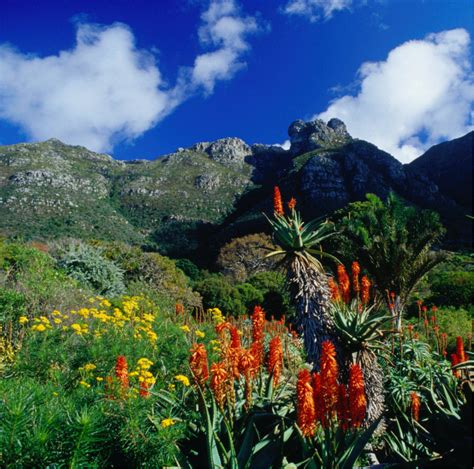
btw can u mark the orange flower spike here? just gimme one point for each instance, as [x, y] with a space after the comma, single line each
[234, 337]
[365, 292]
[344, 283]
[460, 349]
[198, 364]
[334, 289]
[218, 382]
[329, 375]
[144, 392]
[121, 371]
[220, 328]
[355, 276]
[357, 398]
[275, 359]
[292, 203]
[415, 405]
[318, 399]
[258, 323]
[343, 413]
[277, 201]
[305, 410]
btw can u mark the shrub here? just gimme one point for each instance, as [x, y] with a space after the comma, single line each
[189, 268]
[159, 273]
[88, 265]
[453, 288]
[216, 291]
[243, 257]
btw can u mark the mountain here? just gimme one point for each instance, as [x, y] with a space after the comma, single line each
[202, 195]
[449, 165]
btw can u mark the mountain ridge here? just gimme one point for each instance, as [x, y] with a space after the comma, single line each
[209, 191]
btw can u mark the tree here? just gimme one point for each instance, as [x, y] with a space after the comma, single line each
[392, 241]
[244, 257]
[297, 245]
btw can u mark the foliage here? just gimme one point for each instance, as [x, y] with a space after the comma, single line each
[216, 291]
[244, 257]
[155, 272]
[391, 240]
[453, 289]
[415, 368]
[30, 280]
[190, 269]
[88, 265]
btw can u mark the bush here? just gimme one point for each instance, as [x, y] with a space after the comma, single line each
[453, 288]
[189, 268]
[88, 265]
[35, 276]
[216, 291]
[158, 273]
[12, 305]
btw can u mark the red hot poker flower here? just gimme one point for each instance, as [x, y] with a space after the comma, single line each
[344, 283]
[306, 415]
[292, 203]
[334, 289]
[198, 364]
[277, 201]
[121, 371]
[275, 359]
[357, 398]
[415, 406]
[365, 293]
[460, 349]
[329, 375]
[355, 276]
[218, 381]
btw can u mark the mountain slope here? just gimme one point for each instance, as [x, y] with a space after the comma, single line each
[202, 195]
[449, 165]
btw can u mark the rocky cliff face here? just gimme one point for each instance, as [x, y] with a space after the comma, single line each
[449, 166]
[50, 189]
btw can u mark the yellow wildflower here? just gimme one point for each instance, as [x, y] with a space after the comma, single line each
[167, 423]
[76, 328]
[99, 378]
[39, 328]
[182, 379]
[23, 319]
[85, 384]
[56, 313]
[57, 321]
[171, 387]
[200, 334]
[105, 303]
[185, 328]
[89, 367]
[55, 394]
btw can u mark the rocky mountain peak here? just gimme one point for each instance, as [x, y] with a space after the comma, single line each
[308, 136]
[230, 151]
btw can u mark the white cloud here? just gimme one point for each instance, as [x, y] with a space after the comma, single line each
[315, 10]
[225, 28]
[421, 94]
[285, 145]
[105, 89]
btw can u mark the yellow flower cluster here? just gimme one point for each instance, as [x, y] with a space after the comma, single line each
[217, 315]
[182, 379]
[167, 423]
[143, 373]
[100, 318]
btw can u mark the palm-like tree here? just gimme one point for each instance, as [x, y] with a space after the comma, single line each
[298, 246]
[393, 242]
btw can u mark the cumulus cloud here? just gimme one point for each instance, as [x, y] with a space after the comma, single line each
[226, 29]
[315, 10]
[105, 89]
[421, 94]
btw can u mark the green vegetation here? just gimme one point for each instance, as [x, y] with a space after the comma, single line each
[115, 356]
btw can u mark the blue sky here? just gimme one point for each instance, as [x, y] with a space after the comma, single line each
[140, 79]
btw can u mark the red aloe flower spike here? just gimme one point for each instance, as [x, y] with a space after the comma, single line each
[329, 375]
[277, 201]
[415, 406]
[198, 364]
[357, 398]
[306, 415]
